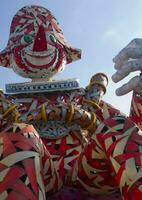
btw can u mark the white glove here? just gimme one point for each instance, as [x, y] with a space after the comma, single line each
[129, 60]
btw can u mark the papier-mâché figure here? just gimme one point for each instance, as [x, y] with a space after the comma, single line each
[57, 140]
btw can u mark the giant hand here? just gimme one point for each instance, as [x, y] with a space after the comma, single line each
[129, 60]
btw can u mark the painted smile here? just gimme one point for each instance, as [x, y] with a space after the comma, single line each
[32, 61]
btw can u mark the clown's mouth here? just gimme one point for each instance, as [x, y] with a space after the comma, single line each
[42, 59]
[32, 62]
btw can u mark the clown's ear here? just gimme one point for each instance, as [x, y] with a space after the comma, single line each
[4, 59]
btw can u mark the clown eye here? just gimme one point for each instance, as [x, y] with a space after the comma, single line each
[52, 38]
[27, 39]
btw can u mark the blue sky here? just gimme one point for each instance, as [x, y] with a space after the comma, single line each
[101, 28]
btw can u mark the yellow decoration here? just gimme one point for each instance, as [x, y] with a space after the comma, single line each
[17, 115]
[71, 113]
[43, 113]
[9, 110]
[93, 121]
[92, 103]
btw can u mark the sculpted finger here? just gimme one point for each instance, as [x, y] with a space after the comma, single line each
[118, 66]
[125, 55]
[137, 42]
[130, 66]
[134, 44]
[128, 87]
[119, 75]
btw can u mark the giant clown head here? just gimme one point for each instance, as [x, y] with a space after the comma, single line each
[37, 48]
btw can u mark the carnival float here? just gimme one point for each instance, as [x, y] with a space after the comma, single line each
[59, 141]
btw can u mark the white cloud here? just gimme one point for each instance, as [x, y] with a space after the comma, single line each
[109, 34]
[115, 37]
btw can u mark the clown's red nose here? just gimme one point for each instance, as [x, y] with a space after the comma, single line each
[40, 43]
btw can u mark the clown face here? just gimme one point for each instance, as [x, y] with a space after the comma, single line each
[37, 48]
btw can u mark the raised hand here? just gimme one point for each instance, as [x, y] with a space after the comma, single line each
[128, 60]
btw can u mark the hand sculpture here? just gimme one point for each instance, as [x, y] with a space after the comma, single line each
[129, 60]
